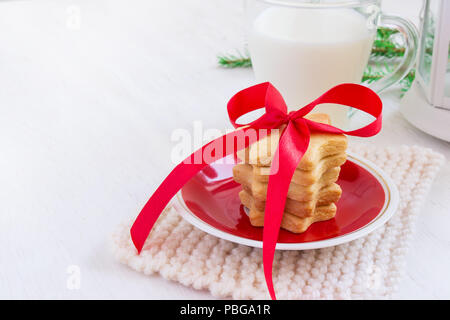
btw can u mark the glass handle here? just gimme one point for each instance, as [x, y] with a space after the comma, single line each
[411, 35]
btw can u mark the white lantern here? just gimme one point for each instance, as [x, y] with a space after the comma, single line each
[427, 104]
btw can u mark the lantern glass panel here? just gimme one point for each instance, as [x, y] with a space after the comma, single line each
[427, 41]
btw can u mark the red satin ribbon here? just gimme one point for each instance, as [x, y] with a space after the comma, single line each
[293, 144]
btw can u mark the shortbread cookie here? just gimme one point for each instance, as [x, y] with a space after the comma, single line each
[312, 191]
[243, 174]
[293, 223]
[302, 209]
[321, 145]
[304, 177]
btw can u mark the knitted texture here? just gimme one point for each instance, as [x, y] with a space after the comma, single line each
[367, 268]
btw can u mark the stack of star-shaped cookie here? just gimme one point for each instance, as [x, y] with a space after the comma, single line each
[312, 193]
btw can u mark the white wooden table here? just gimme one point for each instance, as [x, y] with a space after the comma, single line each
[90, 92]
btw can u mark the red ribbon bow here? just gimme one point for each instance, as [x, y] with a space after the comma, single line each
[293, 144]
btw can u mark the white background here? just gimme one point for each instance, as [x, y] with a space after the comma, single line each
[90, 92]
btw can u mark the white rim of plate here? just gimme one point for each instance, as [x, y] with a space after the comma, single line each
[390, 206]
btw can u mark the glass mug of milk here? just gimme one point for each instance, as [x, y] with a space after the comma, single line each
[305, 47]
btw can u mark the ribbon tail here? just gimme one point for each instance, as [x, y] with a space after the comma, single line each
[291, 148]
[182, 173]
[155, 205]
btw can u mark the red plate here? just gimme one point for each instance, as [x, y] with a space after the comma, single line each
[211, 202]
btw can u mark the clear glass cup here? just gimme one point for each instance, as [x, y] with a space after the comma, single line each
[306, 47]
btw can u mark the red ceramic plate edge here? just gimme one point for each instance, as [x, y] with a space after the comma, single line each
[389, 208]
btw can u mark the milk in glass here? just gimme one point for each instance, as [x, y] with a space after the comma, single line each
[305, 52]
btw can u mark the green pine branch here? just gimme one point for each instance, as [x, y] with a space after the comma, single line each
[232, 61]
[238, 60]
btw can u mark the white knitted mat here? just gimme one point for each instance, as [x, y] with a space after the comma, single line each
[370, 267]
